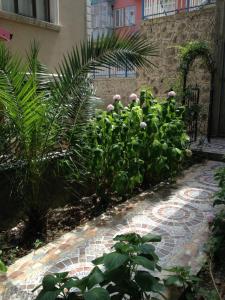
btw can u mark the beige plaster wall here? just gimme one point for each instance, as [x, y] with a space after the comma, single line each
[55, 40]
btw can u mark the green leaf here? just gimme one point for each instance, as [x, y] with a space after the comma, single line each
[99, 260]
[115, 260]
[132, 238]
[96, 276]
[144, 262]
[147, 282]
[125, 248]
[147, 249]
[97, 294]
[173, 280]
[151, 238]
[49, 295]
[49, 282]
[62, 275]
[3, 268]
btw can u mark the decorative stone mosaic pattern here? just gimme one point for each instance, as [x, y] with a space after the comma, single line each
[177, 213]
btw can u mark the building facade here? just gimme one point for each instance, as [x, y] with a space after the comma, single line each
[118, 15]
[126, 15]
[57, 25]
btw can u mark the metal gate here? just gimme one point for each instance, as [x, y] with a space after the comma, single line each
[192, 111]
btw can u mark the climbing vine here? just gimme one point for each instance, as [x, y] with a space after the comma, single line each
[192, 51]
[188, 54]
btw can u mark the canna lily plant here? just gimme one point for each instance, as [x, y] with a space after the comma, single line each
[44, 114]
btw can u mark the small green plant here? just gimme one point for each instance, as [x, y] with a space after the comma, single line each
[38, 243]
[183, 279]
[126, 273]
[3, 268]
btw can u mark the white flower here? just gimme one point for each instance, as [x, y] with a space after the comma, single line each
[116, 97]
[172, 94]
[210, 218]
[143, 125]
[188, 152]
[110, 107]
[133, 97]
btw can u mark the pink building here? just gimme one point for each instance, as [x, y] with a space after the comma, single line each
[127, 15]
[119, 15]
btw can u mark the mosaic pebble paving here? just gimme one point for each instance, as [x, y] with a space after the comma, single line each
[176, 213]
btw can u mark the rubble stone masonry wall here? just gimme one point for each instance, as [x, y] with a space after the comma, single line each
[168, 33]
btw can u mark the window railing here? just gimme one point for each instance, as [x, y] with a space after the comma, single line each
[160, 8]
[114, 73]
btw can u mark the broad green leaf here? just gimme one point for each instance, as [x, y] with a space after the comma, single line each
[132, 238]
[115, 260]
[147, 249]
[97, 294]
[151, 238]
[99, 260]
[147, 282]
[61, 276]
[144, 262]
[173, 280]
[48, 295]
[95, 277]
[49, 282]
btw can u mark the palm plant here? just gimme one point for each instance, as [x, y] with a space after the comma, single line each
[45, 113]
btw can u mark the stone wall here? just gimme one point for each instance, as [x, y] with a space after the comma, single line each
[107, 87]
[168, 33]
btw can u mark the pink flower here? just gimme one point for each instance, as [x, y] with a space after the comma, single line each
[116, 97]
[210, 218]
[143, 125]
[133, 97]
[110, 107]
[172, 94]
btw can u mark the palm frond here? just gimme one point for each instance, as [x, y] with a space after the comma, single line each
[125, 51]
[22, 105]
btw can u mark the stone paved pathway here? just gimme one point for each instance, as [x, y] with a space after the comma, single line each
[216, 146]
[178, 213]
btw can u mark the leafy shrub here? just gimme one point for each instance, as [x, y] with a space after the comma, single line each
[217, 240]
[125, 273]
[216, 245]
[144, 142]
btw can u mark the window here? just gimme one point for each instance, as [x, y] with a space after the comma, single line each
[130, 12]
[119, 17]
[38, 9]
[125, 16]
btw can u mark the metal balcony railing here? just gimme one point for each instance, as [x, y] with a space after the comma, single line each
[114, 73]
[159, 8]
